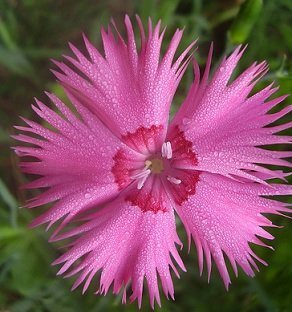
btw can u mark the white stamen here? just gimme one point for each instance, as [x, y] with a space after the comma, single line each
[174, 180]
[141, 174]
[166, 150]
[169, 150]
[163, 150]
[141, 182]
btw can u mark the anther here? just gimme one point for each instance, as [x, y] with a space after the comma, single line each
[166, 150]
[174, 180]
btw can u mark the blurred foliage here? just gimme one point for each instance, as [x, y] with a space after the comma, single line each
[31, 32]
[245, 20]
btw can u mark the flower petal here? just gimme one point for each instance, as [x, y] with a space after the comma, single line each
[125, 80]
[227, 127]
[74, 158]
[145, 242]
[229, 220]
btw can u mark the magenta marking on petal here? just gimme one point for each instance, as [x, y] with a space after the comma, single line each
[150, 198]
[144, 140]
[182, 149]
[181, 184]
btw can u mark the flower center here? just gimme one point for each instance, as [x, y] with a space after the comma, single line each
[155, 165]
[156, 180]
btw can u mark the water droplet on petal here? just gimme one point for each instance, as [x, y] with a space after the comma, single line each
[186, 121]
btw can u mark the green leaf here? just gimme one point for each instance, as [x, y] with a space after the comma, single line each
[166, 10]
[7, 232]
[16, 62]
[245, 20]
[5, 36]
[10, 201]
[286, 84]
[6, 195]
[4, 137]
[29, 269]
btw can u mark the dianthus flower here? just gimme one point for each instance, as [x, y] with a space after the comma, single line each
[116, 171]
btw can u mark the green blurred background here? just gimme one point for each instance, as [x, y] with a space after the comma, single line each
[32, 32]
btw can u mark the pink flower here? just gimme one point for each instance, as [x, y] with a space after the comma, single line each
[116, 173]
